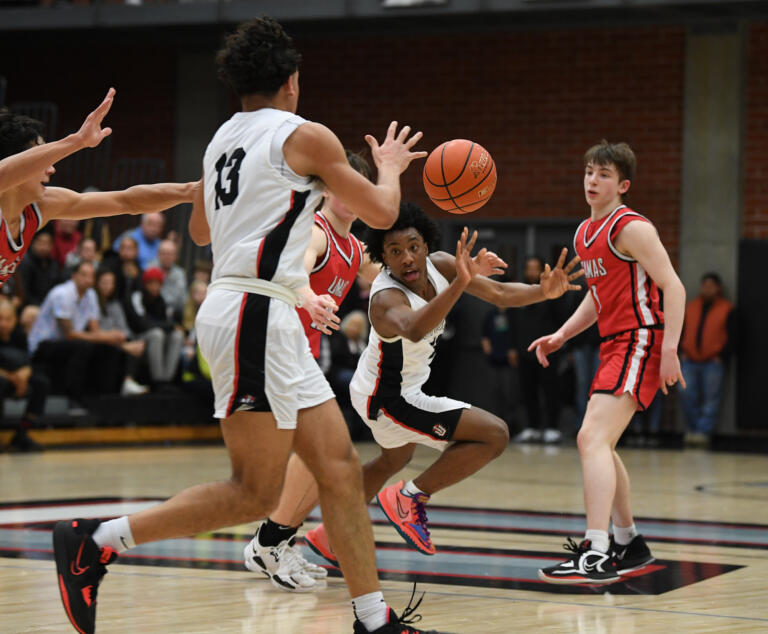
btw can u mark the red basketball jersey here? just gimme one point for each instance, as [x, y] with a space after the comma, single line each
[12, 253]
[625, 296]
[333, 274]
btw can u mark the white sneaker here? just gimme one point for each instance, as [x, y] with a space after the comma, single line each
[131, 387]
[528, 435]
[552, 436]
[281, 563]
[313, 570]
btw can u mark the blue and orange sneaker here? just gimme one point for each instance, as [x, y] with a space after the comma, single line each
[408, 515]
[317, 540]
[80, 566]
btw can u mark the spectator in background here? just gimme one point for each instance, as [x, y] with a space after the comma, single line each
[150, 318]
[197, 292]
[498, 348]
[79, 357]
[66, 237]
[126, 268]
[39, 272]
[707, 343]
[112, 317]
[202, 271]
[147, 237]
[13, 291]
[585, 350]
[86, 251]
[346, 348]
[537, 383]
[18, 379]
[174, 289]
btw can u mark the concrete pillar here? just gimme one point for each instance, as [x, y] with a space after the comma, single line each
[711, 204]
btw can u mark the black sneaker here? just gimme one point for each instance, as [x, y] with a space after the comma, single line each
[584, 566]
[80, 565]
[631, 556]
[399, 624]
[23, 443]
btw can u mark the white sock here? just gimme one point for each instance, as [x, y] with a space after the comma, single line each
[116, 534]
[370, 610]
[410, 489]
[599, 540]
[624, 535]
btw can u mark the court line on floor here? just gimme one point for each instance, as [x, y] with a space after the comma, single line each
[465, 595]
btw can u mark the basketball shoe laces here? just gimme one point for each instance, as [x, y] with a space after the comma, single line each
[289, 557]
[575, 548]
[408, 616]
[421, 517]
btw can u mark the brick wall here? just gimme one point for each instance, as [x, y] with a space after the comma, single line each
[77, 77]
[536, 100]
[756, 136]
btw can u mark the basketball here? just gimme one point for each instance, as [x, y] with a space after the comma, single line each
[459, 176]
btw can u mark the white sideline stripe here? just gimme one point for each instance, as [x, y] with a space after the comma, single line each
[71, 511]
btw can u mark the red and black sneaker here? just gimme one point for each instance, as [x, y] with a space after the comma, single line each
[80, 565]
[399, 624]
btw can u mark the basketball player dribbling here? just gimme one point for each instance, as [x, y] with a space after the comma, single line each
[625, 265]
[334, 258]
[27, 203]
[263, 174]
[409, 301]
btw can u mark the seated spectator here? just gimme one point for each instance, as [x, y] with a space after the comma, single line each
[112, 317]
[17, 378]
[39, 272]
[66, 237]
[125, 265]
[85, 252]
[13, 290]
[147, 237]
[79, 357]
[202, 271]
[197, 292]
[174, 289]
[150, 318]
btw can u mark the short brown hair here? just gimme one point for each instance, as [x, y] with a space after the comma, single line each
[618, 154]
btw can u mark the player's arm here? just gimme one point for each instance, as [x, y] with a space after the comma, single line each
[15, 169]
[641, 241]
[368, 269]
[321, 308]
[313, 150]
[139, 199]
[199, 230]
[553, 283]
[583, 317]
[392, 315]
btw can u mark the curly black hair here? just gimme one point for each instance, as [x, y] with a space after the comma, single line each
[257, 58]
[411, 216]
[17, 132]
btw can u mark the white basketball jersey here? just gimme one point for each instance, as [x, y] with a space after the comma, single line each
[393, 367]
[259, 210]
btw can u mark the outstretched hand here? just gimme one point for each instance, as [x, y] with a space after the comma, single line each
[546, 345]
[555, 282]
[395, 150]
[322, 309]
[484, 263]
[91, 132]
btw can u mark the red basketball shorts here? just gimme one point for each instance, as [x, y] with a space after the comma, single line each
[630, 362]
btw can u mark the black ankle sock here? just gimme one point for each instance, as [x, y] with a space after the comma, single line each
[272, 533]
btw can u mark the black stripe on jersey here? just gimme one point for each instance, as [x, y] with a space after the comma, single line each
[390, 376]
[437, 425]
[274, 242]
[627, 357]
[250, 349]
[633, 281]
[648, 287]
[643, 364]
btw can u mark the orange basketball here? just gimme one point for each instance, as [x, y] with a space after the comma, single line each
[459, 176]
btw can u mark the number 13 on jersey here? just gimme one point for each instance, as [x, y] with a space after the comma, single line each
[227, 196]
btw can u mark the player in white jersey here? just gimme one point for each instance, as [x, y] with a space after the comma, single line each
[409, 301]
[263, 173]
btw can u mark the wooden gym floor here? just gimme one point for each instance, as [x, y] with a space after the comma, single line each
[705, 516]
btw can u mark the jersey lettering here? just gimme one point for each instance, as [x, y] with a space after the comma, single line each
[227, 196]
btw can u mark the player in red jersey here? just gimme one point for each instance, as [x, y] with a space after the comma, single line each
[26, 204]
[625, 265]
[334, 258]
